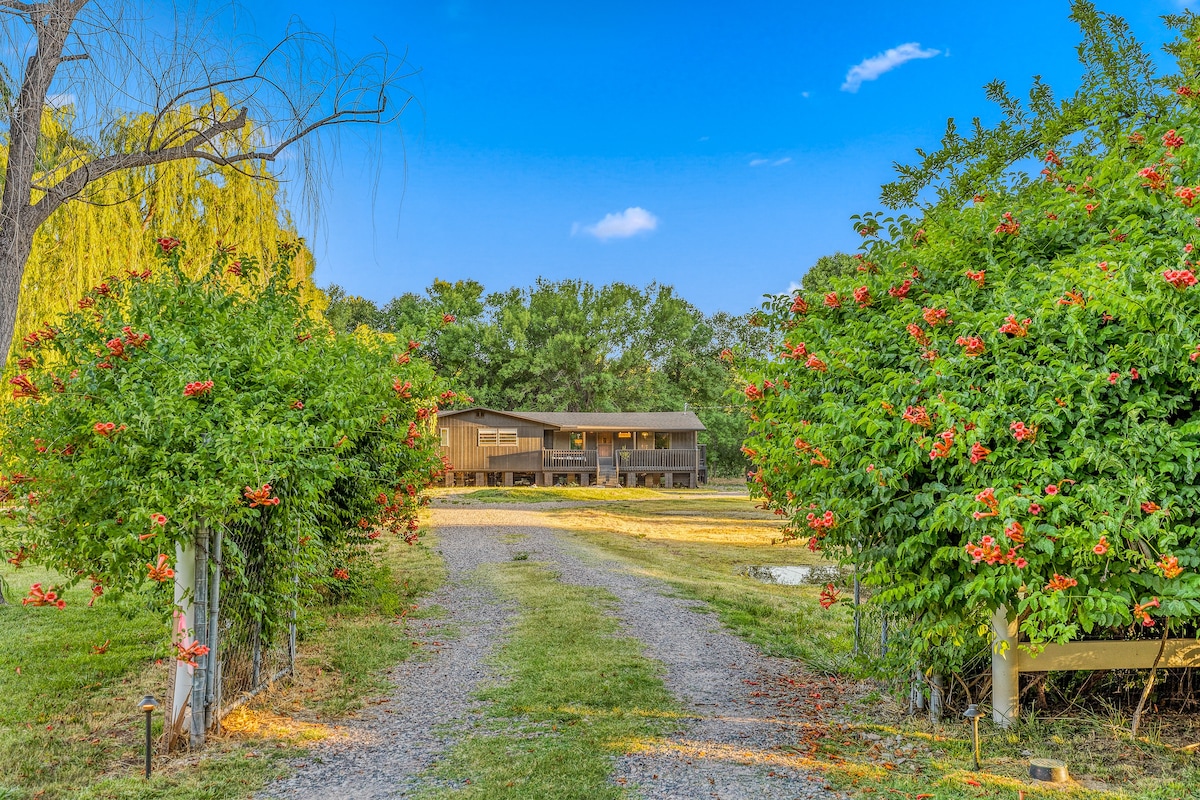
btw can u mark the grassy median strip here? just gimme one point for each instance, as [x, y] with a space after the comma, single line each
[572, 693]
[70, 678]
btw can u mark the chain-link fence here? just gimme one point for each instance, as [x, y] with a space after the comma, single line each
[250, 645]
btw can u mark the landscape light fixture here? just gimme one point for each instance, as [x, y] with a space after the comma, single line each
[148, 704]
[973, 713]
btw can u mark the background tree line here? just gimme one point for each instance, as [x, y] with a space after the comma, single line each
[572, 346]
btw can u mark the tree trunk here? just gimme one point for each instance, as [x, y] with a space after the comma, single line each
[15, 246]
[14, 252]
[18, 217]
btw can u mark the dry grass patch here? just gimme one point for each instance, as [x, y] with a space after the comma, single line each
[702, 546]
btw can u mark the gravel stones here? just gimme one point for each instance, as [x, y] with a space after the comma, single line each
[742, 707]
[382, 752]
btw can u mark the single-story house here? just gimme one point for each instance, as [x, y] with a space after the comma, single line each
[486, 447]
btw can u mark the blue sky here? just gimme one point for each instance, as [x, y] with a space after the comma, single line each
[738, 134]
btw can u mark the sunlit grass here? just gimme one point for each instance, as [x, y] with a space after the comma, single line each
[543, 494]
[702, 547]
[69, 726]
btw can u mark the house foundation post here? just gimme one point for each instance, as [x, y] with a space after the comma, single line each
[481, 479]
[668, 479]
[508, 480]
[449, 478]
[547, 479]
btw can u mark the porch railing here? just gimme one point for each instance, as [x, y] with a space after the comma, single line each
[625, 461]
[649, 460]
[569, 459]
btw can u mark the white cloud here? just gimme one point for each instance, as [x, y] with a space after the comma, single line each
[779, 162]
[793, 287]
[804, 94]
[873, 67]
[60, 99]
[620, 225]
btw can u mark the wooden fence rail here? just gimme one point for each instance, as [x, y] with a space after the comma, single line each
[1009, 661]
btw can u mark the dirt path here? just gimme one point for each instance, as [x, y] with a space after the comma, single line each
[746, 707]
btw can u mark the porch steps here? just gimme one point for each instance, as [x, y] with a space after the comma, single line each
[607, 478]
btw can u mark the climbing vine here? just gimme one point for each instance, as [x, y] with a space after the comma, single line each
[166, 402]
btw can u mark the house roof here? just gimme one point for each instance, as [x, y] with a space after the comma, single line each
[663, 421]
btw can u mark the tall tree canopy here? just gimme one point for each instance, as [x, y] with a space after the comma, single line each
[202, 204]
[572, 346]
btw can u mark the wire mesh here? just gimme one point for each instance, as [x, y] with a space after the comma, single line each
[254, 645]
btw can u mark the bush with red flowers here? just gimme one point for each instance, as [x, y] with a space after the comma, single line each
[166, 403]
[1014, 418]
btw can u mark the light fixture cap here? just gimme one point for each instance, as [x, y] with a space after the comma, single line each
[973, 711]
[148, 703]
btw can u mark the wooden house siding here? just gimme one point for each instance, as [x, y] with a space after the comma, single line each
[542, 446]
[467, 456]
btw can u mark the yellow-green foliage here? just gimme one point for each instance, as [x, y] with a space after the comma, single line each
[112, 230]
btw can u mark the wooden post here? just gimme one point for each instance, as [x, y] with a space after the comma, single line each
[184, 620]
[449, 478]
[667, 480]
[508, 480]
[547, 479]
[1005, 671]
[481, 479]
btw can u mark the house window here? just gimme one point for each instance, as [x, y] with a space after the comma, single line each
[445, 437]
[662, 441]
[497, 437]
[576, 440]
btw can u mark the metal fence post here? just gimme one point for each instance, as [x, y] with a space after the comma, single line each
[200, 636]
[857, 612]
[211, 714]
[937, 696]
[292, 619]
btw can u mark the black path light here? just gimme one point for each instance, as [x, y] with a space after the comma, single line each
[973, 713]
[148, 704]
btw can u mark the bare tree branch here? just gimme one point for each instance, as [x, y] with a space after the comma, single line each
[118, 95]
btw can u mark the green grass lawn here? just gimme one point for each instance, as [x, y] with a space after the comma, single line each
[69, 728]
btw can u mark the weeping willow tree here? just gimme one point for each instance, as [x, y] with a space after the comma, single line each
[144, 92]
[113, 230]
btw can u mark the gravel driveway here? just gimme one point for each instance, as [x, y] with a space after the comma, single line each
[746, 707]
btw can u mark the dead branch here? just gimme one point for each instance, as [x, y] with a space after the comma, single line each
[1141, 706]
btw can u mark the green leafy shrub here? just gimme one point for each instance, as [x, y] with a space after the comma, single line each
[1000, 408]
[167, 404]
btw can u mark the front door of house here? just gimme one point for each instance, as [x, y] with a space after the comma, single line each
[604, 445]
